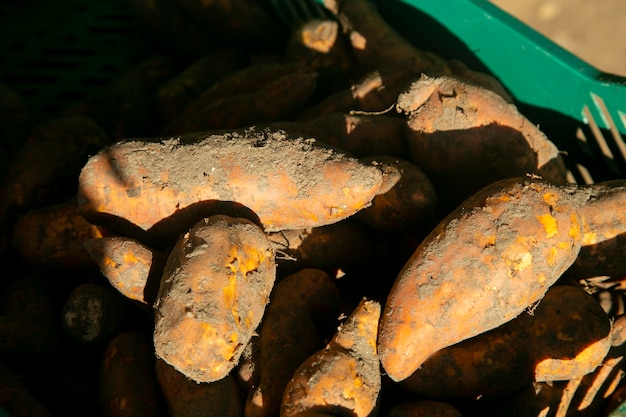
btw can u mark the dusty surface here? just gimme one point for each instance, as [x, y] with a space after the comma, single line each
[592, 30]
[213, 294]
[486, 262]
[289, 183]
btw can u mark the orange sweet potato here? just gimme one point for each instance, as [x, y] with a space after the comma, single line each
[54, 236]
[465, 136]
[128, 383]
[335, 247]
[374, 41]
[243, 23]
[408, 201]
[585, 396]
[44, 170]
[141, 187]
[361, 135]
[180, 90]
[289, 87]
[213, 294]
[290, 333]
[126, 107]
[170, 30]
[187, 398]
[568, 335]
[344, 377]
[320, 44]
[375, 92]
[131, 267]
[604, 231]
[484, 264]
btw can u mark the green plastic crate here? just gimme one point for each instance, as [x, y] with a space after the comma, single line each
[580, 108]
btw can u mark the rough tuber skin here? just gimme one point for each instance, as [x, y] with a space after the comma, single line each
[215, 287]
[143, 188]
[344, 377]
[299, 305]
[131, 267]
[465, 136]
[486, 262]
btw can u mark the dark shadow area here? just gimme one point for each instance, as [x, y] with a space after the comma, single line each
[427, 34]
[605, 258]
[462, 161]
[565, 131]
[164, 234]
[340, 246]
[151, 290]
[546, 343]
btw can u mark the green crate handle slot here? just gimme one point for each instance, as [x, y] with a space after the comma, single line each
[533, 68]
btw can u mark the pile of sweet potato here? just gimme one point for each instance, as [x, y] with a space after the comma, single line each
[315, 219]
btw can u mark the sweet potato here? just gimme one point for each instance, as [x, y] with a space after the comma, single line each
[409, 200]
[92, 314]
[290, 333]
[54, 236]
[465, 137]
[321, 45]
[188, 398]
[344, 377]
[213, 294]
[180, 90]
[29, 328]
[376, 45]
[584, 396]
[141, 188]
[170, 30]
[375, 92]
[128, 383]
[336, 247]
[484, 264]
[568, 335]
[15, 397]
[241, 23]
[246, 372]
[361, 135]
[44, 170]
[374, 41]
[604, 231]
[131, 267]
[288, 92]
[125, 107]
